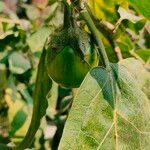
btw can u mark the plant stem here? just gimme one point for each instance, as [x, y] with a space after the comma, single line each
[86, 17]
[67, 14]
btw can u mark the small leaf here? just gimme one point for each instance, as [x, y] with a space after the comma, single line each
[144, 54]
[18, 121]
[37, 40]
[94, 124]
[18, 64]
[125, 44]
[142, 6]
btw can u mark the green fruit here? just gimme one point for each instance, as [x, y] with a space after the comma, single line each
[70, 56]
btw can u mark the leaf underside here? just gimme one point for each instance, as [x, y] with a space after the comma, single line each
[97, 123]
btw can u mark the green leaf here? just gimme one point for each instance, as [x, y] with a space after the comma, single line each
[125, 44]
[18, 121]
[144, 54]
[42, 87]
[94, 124]
[18, 64]
[37, 40]
[141, 75]
[142, 6]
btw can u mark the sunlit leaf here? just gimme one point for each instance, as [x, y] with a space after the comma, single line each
[18, 120]
[94, 124]
[144, 54]
[37, 40]
[18, 64]
[142, 6]
[19, 116]
[125, 44]
[141, 75]
[32, 12]
[124, 14]
[103, 9]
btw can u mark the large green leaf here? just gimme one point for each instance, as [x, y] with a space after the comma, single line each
[142, 6]
[42, 87]
[141, 75]
[93, 124]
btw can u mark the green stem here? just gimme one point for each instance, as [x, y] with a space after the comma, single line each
[86, 17]
[67, 14]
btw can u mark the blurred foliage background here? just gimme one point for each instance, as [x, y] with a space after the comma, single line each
[24, 27]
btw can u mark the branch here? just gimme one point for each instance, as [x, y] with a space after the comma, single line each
[86, 17]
